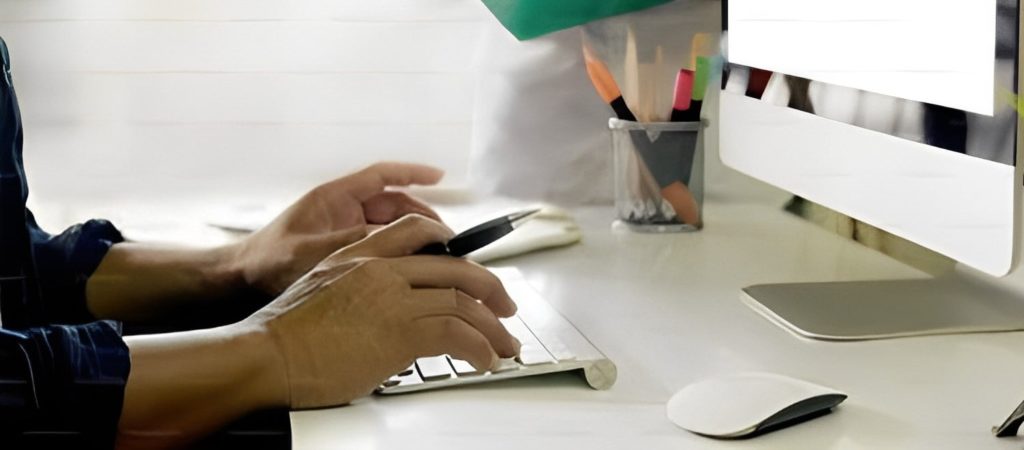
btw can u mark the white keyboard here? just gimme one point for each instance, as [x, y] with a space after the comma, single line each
[550, 344]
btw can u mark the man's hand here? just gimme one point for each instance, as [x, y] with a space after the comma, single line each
[333, 336]
[159, 285]
[358, 318]
[327, 218]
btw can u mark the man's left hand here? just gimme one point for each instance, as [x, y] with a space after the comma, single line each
[329, 217]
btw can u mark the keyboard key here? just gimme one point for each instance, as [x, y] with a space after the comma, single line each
[505, 365]
[558, 349]
[463, 368]
[408, 371]
[434, 368]
[534, 354]
[533, 351]
[404, 379]
[517, 328]
[546, 323]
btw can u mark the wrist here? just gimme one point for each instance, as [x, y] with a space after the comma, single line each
[265, 374]
[224, 273]
[197, 381]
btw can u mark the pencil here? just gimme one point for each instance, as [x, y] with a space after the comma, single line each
[631, 75]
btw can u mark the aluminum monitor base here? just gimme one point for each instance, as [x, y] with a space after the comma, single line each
[861, 310]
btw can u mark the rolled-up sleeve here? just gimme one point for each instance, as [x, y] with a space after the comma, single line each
[64, 263]
[62, 384]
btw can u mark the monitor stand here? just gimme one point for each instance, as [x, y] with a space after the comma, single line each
[860, 310]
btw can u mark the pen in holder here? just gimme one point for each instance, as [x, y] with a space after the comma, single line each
[658, 174]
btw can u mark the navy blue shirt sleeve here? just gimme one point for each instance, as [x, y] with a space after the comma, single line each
[63, 380]
[63, 264]
[61, 386]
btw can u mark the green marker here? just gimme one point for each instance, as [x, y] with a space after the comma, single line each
[700, 83]
[700, 87]
[527, 19]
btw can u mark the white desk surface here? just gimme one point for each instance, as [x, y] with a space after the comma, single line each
[666, 309]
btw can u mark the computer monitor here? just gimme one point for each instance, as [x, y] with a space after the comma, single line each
[901, 114]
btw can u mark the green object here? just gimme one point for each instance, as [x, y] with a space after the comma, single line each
[700, 79]
[527, 19]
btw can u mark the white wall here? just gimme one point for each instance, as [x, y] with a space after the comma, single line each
[166, 96]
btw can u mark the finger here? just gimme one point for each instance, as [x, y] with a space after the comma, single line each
[439, 302]
[423, 271]
[402, 237]
[448, 335]
[440, 335]
[386, 207]
[342, 238]
[372, 180]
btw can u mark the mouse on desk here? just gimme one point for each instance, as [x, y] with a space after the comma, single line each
[745, 405]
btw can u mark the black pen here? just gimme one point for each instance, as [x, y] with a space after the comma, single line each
[479, 236]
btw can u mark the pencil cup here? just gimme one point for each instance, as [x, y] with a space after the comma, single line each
[658, 170]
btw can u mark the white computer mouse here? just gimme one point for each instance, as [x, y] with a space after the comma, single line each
[749, 404]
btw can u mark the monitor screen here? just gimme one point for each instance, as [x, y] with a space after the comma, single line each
[933, 51]
[898, 113]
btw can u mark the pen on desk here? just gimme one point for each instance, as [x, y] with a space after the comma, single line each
[605, 85]
[682, 99]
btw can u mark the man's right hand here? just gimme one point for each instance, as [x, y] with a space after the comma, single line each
[370, 309]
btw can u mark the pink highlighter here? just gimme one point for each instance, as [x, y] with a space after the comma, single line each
[683, 95]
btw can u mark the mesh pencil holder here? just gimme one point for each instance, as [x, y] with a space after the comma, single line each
[658, 171]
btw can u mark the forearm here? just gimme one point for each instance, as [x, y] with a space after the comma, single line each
[185, 385]
[141, 283]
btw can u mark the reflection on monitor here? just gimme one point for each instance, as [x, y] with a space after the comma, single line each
[891, 112]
